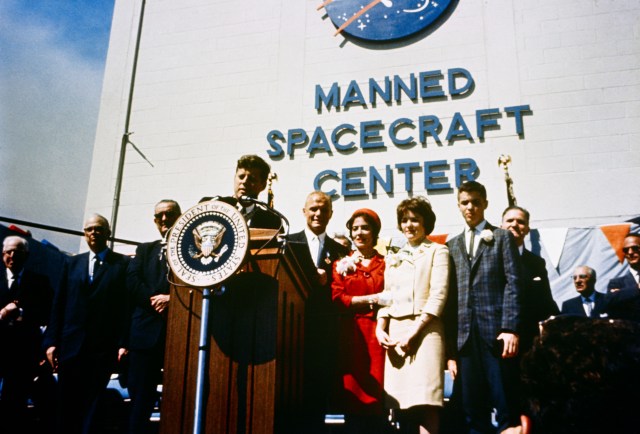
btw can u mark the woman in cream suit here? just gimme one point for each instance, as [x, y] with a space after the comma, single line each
[416, 281]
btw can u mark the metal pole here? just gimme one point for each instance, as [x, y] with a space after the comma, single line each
[125, 136]
[198, 417]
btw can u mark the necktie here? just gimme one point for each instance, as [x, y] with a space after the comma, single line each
[472, 238]
[314, 249]
[96, 266]
[319, 255]
[588, 307]
[13, 286]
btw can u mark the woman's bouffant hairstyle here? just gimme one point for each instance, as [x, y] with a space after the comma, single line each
[421, 206]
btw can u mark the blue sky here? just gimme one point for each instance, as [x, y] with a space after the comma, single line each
[53, 55]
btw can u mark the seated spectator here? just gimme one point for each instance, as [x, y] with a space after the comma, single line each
[631, 250]
[589, 302]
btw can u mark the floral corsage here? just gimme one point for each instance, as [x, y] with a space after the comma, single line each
[395, 259]
[347, 264]
[487, 236]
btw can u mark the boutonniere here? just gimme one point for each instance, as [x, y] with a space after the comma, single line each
[347, 264]
[487, 236]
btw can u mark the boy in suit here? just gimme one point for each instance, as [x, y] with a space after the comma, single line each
[483, 316]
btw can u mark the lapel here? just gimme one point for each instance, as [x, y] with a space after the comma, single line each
[4, 283]
[4, 288]
[459, 250]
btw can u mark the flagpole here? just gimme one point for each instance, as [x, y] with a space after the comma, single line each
[127, 133]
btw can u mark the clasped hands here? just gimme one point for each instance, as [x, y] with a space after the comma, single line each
[403, 347]
[159, 302]
[10, 312]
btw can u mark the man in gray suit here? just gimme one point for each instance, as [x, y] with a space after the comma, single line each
[483, 316]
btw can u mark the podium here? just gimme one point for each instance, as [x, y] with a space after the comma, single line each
[255, 341]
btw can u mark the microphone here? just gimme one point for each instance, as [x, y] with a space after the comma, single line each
[245, 200]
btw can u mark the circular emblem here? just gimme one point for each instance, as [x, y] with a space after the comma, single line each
[384, 20]
[208, 244]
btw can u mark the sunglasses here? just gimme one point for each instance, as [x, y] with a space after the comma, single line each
[159, 215]
[629, 249]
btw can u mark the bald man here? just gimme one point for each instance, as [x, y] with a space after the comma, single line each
[87, 327]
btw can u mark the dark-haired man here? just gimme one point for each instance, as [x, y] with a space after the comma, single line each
[149, 294]
[537, 301]
[250, 179]
[483, 316]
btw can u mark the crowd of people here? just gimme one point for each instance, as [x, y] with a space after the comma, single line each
[381, 326]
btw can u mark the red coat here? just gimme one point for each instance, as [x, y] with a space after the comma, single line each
[361, 358]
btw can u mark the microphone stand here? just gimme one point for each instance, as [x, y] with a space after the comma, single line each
[203, 357]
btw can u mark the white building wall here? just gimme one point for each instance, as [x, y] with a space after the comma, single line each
[214, 77]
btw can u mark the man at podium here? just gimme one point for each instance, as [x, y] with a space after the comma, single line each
[249, 181]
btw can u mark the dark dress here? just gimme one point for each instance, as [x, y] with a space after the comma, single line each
[361, 358]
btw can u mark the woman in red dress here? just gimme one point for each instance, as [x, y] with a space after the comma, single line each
[357, 281]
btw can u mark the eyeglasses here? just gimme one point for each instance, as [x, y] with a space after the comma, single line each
[629, 249]
[96, 229]
[579, 276]
[167, 214]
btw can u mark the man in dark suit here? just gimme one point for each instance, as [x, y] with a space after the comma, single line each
[589, 302]
[483, 316]
[25, 303]
[631, 280]
[149, 294]
[536, 298]
[320, 314]
[250, 179]
[86, 334]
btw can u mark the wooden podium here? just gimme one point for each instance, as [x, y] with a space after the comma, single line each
[255, 338]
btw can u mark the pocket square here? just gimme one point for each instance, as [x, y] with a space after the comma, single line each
[537, 278]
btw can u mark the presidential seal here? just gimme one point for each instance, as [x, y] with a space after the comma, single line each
[207, 244]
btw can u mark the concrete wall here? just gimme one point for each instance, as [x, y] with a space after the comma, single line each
[215, 77]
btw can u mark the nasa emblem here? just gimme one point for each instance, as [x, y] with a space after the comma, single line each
[383, 20]
[207, 244]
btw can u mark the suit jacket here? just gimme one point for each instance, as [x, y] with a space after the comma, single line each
[259, 218]
[22, 339]
[321, 332]
[426, 274]
[537, 300]
[89, 317]
[331, 251]
[625, 282]
[624, 304]
[486, 289]
[573, 306]
[146, 277]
